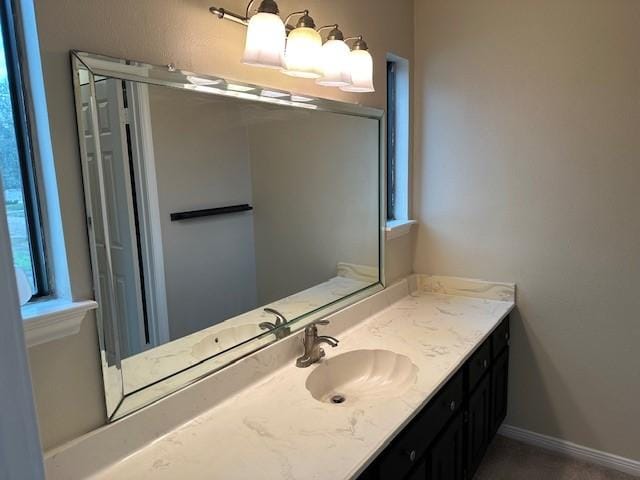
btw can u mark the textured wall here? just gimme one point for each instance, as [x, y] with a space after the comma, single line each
[66, 373]
[528, 141]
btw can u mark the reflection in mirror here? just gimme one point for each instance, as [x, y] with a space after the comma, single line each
[215, 221]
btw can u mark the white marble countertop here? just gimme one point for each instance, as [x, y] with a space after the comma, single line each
[275, 429]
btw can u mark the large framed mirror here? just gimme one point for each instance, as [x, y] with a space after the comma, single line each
[221, 216]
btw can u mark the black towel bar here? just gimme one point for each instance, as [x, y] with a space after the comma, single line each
[210, 212]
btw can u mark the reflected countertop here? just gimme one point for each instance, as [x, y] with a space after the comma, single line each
[192, 350]
[275, 429]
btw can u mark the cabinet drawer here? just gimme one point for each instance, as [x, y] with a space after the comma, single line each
[500, 337]
[410, 446]
[479, 363]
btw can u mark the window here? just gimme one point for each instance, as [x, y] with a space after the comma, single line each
[16, 163]
[398, 222]
[391, 140]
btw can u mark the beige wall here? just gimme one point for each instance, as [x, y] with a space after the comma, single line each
[315, 185]
[66, 373]
[528, 136]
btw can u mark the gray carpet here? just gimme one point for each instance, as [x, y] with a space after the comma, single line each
[508, 459]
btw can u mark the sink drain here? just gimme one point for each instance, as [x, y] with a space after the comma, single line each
[337, 398]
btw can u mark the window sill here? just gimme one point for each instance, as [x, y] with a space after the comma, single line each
[53, 319]
[398, 228]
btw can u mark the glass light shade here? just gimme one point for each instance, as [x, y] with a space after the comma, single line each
[265, 42]
[334, 64]
[302, 54]
[361, 68]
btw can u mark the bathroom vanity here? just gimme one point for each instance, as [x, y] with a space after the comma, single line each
[217, 247]
[448, 438]
[264, 418]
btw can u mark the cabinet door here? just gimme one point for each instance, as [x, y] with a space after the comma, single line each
[479, 424]
[419, 473]
[499, 391]
[446, 454]
[411, 445]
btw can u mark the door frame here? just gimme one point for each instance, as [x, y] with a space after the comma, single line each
[144, 166]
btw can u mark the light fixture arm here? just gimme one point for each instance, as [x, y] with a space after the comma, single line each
[268, 6]
[224, 14]
[248, 9]
[303, 14]
[334, 34]
[358, 43]
[326, 27]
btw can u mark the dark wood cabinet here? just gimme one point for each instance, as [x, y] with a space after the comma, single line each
[479, 364]
[449, 437]
[410, 446]
[499, 390]
[419, 473]
[446, 456]
[478, 420]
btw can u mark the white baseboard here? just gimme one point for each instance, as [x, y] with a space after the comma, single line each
[614, 462]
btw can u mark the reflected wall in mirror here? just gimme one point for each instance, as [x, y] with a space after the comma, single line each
[209, 202]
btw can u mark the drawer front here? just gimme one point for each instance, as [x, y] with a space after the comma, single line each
[500, 337]
[411, 445]
[479, 364]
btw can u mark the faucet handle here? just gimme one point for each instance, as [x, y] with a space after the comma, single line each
[280, 318]
[312, 328]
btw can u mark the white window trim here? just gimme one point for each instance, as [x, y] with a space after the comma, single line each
[53, 319]
[402, 226]
[398, 228]
[58, 316]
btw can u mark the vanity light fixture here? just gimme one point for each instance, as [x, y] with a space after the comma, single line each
[304, 45]
[302, 53]
[266, 37]
[360, 68]
[334, 60]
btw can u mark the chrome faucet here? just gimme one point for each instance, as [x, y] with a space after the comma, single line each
[312, 350]
[280, 331]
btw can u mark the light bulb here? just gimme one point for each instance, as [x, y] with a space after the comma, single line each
[334, 64]
[361, 70]
[266, 37]
[302, 53]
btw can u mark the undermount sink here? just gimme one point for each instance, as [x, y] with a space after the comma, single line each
[361, 375]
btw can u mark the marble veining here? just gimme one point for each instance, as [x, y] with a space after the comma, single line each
[275, 429]
[466, 287]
